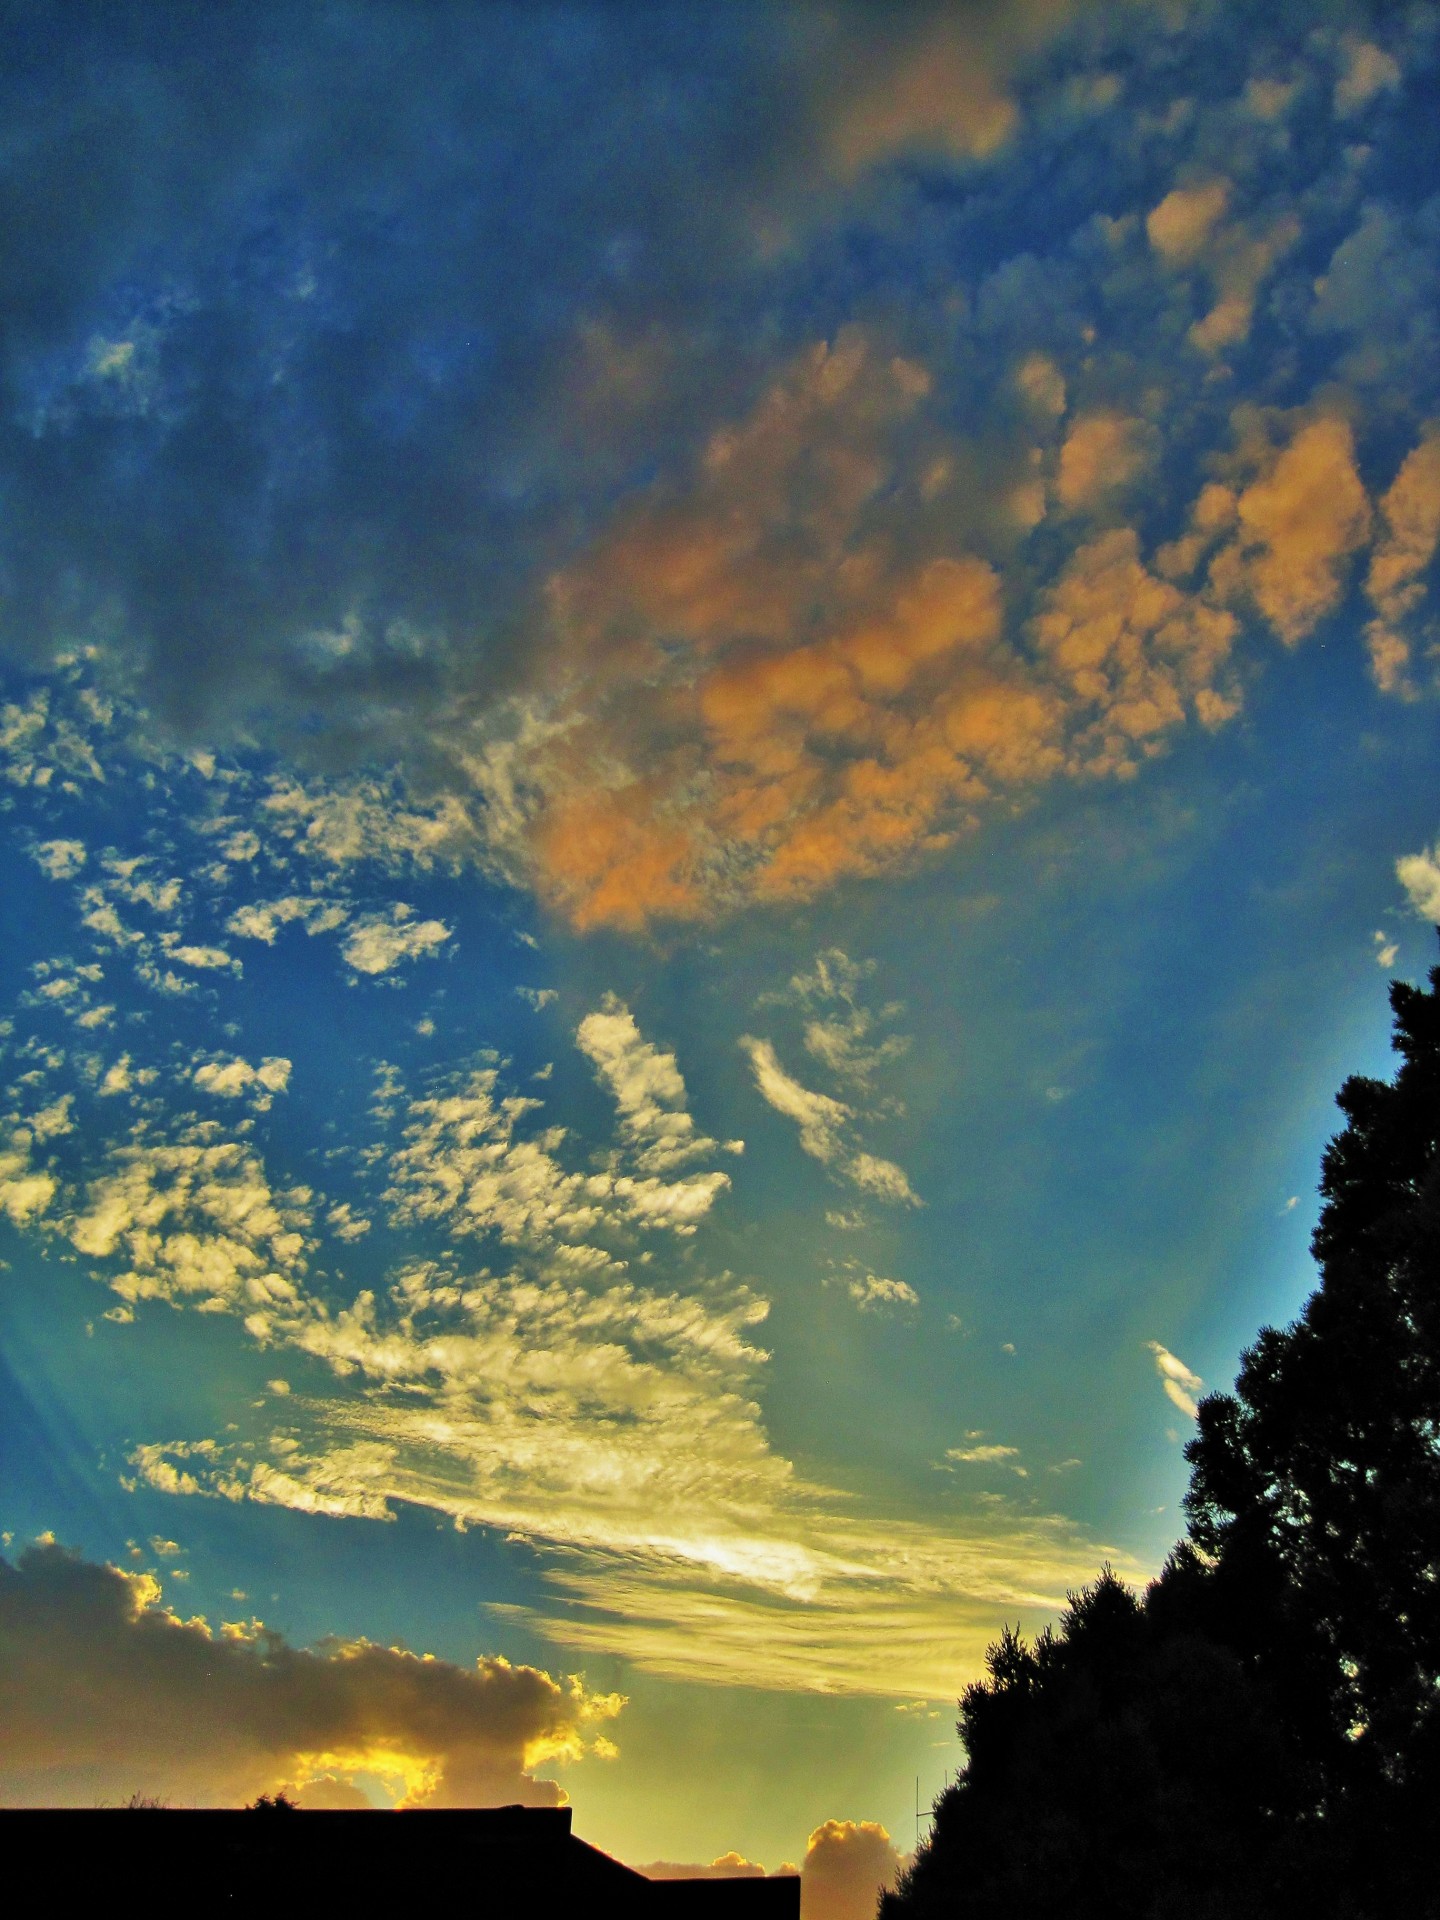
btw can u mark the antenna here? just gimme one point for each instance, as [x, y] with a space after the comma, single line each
[917, 1813]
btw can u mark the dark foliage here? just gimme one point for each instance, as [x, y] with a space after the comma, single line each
[1260, 1734]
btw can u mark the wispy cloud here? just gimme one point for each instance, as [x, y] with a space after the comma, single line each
[655, 1118]
[826, 1127]
[1181, 1384]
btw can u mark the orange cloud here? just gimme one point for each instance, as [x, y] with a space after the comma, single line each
[791, 671]
[1410, 515]
[1102, 453]
[1180, 225]
[1298, 525]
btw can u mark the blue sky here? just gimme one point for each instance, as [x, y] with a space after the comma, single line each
[718, 727]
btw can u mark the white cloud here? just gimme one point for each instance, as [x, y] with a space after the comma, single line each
[982, 1455]
[1419, 875]
[825, 1126]
[838, 1032]
[1180, 1383]
[235, 1078]
[366, 821]
[872, 1293]
[537, 997]
[262, 919]
[345, 1224]
[60, 859]
[25, 1190]
[1385, 950]
[195, 1221]
[378, 942]
[648, 1089]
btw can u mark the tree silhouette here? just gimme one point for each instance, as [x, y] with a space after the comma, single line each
[1261, 1732]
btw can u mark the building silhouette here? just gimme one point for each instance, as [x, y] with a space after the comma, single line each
[493, 1863]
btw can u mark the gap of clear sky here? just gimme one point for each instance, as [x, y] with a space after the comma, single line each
[718, 726]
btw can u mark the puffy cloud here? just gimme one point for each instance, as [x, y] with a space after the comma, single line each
[1135, 653]
[60, 859]
[1299, 522]
[825, 1126]
[1102, 453]
[378, 942]
[846, 1865]
[1419, 875]
[344, 823]
[1368, 70]
[1181, 1384]
[104, 1690]
[263, 919]
[235, 1078]
[873, 1293]
[462, 1161]
[192, 1220]
[1410, 518]
[25, 1189]
[654, 1116]
[1181, 224]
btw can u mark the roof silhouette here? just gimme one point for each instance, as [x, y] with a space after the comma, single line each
[493, 1863]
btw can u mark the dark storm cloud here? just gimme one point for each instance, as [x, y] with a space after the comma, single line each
[104, 1690]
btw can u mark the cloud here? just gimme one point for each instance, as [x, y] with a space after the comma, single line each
[838, 1032]
[872, 1293]
[1385, 950]
[192, 1220]
[378, 942]
[825, 1126]
[26, 1190]
[655, 1119]
[982, 1455]
[1419, 875]
[1180, 226]
[1368, 71]
[1180, 1383]
[1299, 522]
[728, 1866]
[60, 859]
[106, 1691]
[464, 1161]
[1410, 516]
[1138, 654]
[235, 1078]
[847, 1863]
[1102, 453]
[263, 919]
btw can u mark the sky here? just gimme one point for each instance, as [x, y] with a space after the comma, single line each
[718, 726]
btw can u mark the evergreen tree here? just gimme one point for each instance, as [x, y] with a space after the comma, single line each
[1261, 1733]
